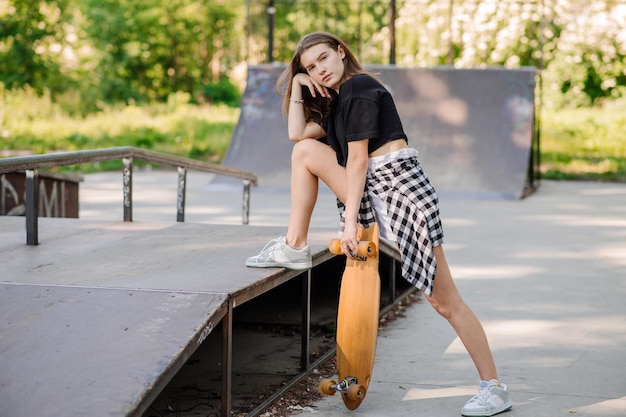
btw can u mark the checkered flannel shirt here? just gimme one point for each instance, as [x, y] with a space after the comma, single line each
[413, 213]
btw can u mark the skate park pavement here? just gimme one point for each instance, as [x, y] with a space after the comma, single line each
[546, 275]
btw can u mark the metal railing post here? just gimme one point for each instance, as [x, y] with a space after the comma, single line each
[246, 202]
[180, 199]
[392, 281]
[227, 361]
[32, 207]
[127, 180]
[306, 320]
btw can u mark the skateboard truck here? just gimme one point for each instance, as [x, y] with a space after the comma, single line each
[349, 386]
[345, 383]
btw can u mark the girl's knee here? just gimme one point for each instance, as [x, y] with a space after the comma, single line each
[441, 309]
[305, 145]
[447, 308]
[307, 152]
[301, 150]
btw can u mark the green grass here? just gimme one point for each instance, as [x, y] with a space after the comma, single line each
[32, 124]
[584, 144]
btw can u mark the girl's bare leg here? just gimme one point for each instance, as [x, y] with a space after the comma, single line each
[311, 160]
[449, 304]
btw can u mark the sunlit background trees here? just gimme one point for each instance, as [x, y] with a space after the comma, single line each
[135, 50]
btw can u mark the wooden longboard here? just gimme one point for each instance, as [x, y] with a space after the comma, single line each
[357, 321]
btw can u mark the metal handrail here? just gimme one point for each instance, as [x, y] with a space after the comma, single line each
[32, 163]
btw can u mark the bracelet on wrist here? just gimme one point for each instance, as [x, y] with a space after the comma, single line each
[297, 101]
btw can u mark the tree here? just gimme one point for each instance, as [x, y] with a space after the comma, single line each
[580, 45]
[151, 49]
[360, 23]
[32, 40]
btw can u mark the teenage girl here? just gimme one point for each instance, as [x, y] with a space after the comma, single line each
[348, 133]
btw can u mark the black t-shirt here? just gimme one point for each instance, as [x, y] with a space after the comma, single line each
[364, 109]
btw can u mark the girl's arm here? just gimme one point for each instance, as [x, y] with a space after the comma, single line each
[356, 172]
[297, 126]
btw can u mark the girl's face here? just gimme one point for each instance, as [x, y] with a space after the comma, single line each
[324, 64]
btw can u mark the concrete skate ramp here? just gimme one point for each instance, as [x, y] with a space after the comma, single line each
[473, 128]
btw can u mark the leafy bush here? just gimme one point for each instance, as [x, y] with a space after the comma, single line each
[222, 92]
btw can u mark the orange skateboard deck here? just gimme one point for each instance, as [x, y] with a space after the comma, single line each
[357, 321]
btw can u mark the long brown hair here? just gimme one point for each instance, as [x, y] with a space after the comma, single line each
[315, 109]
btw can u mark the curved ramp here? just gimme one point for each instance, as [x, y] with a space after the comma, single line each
[473, 127]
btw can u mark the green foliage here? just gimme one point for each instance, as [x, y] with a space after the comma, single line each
[36, 124]
[90, 53]
[359, 23]
[584, 144]
[31, 35]
[222, 92]
[150, 49]
[580, 46]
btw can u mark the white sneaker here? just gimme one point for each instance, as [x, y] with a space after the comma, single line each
[490, 400]
[278, 254]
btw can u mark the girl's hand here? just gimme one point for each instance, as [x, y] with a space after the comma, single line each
[349, 243]
[305, 80]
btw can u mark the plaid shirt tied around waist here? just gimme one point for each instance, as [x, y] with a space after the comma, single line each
[412, 209]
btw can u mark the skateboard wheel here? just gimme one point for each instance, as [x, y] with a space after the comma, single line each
[356, 392]
[335, 247]
[366, 249]
[325, 387]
